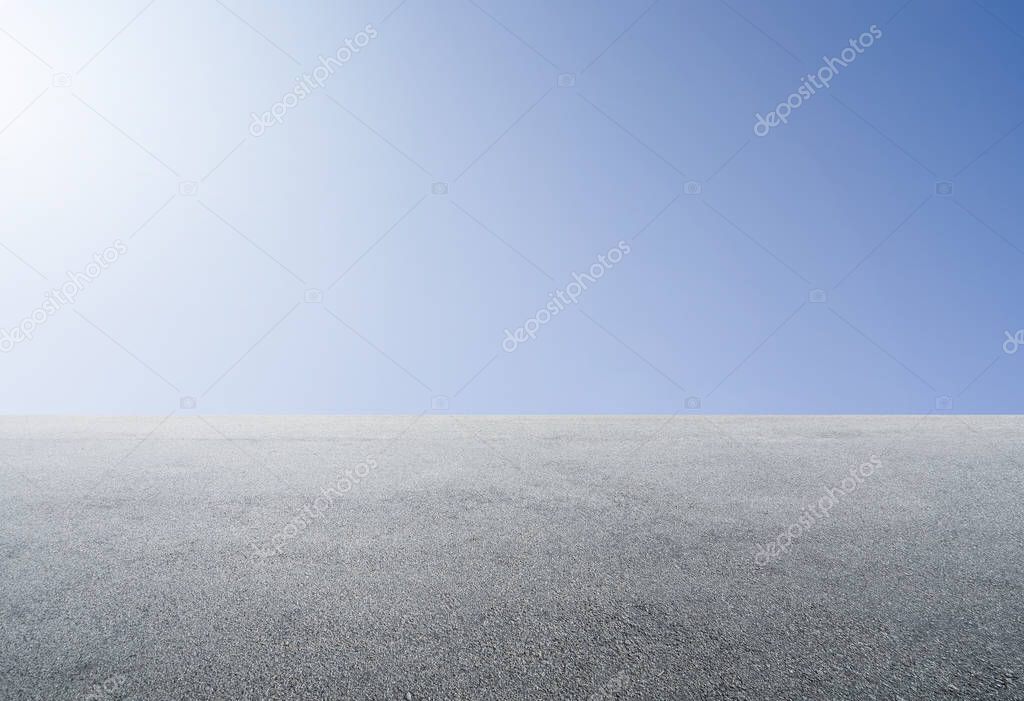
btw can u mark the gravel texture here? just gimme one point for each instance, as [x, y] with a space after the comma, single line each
[453, 557]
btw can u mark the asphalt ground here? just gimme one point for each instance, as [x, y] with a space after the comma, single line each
[453, 557]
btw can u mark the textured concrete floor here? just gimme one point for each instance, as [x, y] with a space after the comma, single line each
[510, 558]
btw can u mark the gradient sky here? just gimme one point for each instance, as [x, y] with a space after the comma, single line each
[558, 130]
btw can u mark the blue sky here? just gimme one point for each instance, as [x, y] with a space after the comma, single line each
[368, 250]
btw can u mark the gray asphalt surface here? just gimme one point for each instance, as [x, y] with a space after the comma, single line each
[510, 558]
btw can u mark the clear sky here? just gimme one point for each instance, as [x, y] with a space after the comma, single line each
[390, 207]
